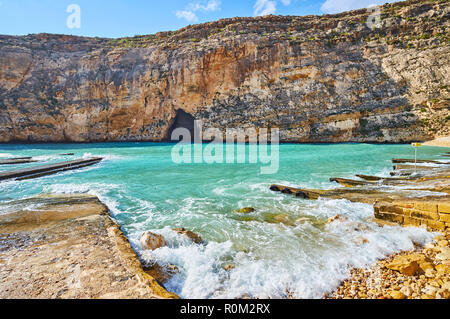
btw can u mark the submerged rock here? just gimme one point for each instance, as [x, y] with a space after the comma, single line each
[282, 218]
[151, 241]
[229, 267]
[336, 218]
[361, 241]
[191, 235]
[302, 220]
[279, 219]
[246, 210]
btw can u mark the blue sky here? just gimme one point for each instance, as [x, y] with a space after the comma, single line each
[117, 18]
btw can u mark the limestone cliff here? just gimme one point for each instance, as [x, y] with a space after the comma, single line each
[318, 78]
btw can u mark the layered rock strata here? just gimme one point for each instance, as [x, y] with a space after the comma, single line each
[327, 78]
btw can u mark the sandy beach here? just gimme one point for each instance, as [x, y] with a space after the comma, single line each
[440, 142]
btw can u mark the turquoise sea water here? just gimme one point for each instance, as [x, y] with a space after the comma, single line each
[293, 254]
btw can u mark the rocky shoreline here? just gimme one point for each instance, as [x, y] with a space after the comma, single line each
[420, 274]
[439, 142]
[71, 248]
[68, 247]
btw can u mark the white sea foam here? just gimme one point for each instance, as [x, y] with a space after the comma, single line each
[304, 261]
[106, 157]
[98, 189]
[46, 158]
[5, 155]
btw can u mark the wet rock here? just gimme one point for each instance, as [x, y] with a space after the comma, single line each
[339, 218]
[410, 264]
[361, 241]
[286, 191]
[191, 235]
[302, 220]
[430, 282]
[282, 218]
[229, 267]
[405, 266]
[162, 273]
[246, 210]
[274, 188]
[152, 241]
[396, 294]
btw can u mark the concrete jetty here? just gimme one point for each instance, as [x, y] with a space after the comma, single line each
[412, 167]
[17, 160]
[408, 160]
[43, 170]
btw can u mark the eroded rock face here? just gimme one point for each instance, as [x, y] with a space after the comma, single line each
[319, 79]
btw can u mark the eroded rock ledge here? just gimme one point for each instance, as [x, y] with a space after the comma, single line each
[68, 247]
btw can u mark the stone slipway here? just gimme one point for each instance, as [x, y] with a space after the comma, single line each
[43, 170]
[68, 247]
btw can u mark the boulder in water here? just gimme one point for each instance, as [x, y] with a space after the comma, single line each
[274, 188]
[151, 241]
[191, 235]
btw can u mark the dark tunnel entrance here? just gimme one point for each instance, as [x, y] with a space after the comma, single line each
[182, 120]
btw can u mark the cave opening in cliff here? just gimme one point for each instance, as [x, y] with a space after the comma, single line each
[182, 120]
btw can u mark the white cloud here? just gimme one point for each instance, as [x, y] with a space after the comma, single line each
[264, 7]
[189, 13]
[336, 6]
